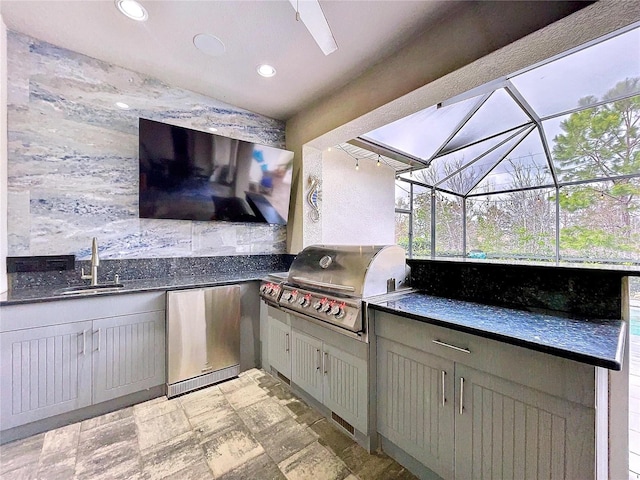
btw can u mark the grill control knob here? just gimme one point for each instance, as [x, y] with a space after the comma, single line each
[340, 313]
[293, 296]
[318, 305]
[304, 301]
[335, 310]
[263, 288]
[326, 307]
[286, 295]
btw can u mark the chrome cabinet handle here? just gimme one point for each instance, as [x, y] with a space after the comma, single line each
[444, 399]
[84, 342]
[99, 338]
[326, 362]
[461, 395]
[318, 359]
[448, 345]
[286, 345]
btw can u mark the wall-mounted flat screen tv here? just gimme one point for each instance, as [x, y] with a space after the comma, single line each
[187, 174]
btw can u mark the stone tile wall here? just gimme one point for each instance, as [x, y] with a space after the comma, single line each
[73, 159]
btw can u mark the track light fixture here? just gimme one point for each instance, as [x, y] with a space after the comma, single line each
[378, 162]
[357, 164]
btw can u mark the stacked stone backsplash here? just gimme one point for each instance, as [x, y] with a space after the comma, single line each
[73, 159]
[155, 269]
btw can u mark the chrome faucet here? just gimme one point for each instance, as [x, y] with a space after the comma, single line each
[95, 261]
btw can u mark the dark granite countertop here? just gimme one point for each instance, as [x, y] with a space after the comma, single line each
[51, 293]
[592, 341]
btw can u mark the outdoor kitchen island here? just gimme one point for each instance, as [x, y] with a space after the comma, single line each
[506, 387]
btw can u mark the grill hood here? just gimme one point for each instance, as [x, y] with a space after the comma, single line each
[350, 270]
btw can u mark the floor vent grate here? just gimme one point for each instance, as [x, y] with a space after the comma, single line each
[202, 381]
[343, 423]
[284, 379]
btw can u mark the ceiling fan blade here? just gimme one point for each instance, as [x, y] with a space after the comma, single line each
[311, 14]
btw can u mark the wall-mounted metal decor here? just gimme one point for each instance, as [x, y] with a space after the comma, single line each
[313, 198]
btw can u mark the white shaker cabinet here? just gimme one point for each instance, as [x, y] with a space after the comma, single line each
[506, 430]
[44, 372]
[60, 356]
[415, 404]
[332, 376]
[279, 342]
[483, 409]
[128, 354]
[307, 364]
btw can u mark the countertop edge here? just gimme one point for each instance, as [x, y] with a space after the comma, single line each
[48, 297]
[615, 364]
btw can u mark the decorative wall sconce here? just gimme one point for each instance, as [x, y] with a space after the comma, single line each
[313, 198]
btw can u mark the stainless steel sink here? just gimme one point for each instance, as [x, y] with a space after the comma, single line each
[88, 289]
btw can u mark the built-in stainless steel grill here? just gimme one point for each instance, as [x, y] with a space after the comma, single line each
[329, 283]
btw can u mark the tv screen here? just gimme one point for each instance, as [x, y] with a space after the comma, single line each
[192, 175]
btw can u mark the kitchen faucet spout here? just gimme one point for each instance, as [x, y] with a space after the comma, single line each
[95, 262]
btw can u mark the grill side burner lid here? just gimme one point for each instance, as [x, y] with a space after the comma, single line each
[350, 270]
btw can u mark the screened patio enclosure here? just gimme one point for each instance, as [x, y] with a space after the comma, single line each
[541, 165]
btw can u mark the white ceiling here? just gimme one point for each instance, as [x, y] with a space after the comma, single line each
[253, 32]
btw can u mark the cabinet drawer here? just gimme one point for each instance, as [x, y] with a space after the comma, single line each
[557, 376]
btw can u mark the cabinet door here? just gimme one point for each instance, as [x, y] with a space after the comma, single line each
[44, 371]
[415, 412]
[306, 363]
[345, 389]
[507, 430]
[128, 354]
[280, 346]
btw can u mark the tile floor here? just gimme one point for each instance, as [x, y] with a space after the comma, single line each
[251, 427]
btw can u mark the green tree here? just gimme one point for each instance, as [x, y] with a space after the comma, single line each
[602, 142]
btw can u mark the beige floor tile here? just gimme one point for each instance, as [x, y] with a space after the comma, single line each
[145, 412]
[107, 434]
[236, 384]
[250, 428]
[366, 466]
[198, 471]
[166, 459]
[21, 453]
[26, 472]
[115, 461]
[197, 405]
[285, 438]
[231, 449]
[161, 428]
[61, 440]
[58, 456]
[260, 468]
[61, 469]
[107, 418]
[263, 414]
[207, 392]
[314, 462]
[214, 422]
[245, 396]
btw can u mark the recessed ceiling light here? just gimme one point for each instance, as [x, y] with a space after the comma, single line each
[213, 129]
[132, 9]
[122, 105]
[209, 44]
[266, 70]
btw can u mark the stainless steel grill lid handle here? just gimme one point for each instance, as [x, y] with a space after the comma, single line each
[315, 283]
